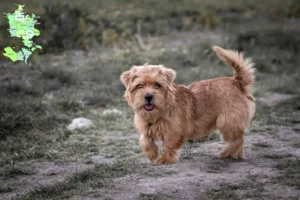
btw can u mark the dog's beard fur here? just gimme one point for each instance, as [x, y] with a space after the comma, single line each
[160, 103]
[179, 113]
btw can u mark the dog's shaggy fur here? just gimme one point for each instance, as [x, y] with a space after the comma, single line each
[174, 113]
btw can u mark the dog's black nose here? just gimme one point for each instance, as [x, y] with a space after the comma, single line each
[148, 97]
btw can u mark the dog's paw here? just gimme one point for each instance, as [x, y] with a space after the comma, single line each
[234, 157]
[164, 161]
[223, 155]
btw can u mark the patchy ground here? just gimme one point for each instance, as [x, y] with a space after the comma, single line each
[42, 159]
[204, 176]
[198, 175]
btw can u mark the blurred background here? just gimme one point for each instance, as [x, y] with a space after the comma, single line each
[88, 44]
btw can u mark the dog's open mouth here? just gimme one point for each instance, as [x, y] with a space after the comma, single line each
[149, 107]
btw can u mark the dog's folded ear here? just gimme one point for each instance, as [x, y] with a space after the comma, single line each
[170, 74]
[125, 78]
[129, 76]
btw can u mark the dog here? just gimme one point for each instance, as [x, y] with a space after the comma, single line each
[172, 113]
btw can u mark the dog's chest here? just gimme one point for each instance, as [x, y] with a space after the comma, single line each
[156, 132]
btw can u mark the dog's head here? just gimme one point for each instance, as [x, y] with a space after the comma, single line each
[149, 89]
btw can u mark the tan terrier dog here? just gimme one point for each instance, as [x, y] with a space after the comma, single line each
[171, 113]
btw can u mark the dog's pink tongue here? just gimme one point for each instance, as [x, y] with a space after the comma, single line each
[148, 106]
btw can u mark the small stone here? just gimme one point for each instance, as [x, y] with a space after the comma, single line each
[79, 123]
[274, 98]
[47, 98]
[112, 112]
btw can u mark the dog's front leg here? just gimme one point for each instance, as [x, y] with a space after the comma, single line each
[149, 147]
[171, 151]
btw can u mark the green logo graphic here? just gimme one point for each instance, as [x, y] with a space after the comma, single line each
[22, 26]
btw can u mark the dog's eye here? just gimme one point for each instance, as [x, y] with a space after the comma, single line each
[157, 85]
[139, 86]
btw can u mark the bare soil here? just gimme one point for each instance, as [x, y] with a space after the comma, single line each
[192, 178]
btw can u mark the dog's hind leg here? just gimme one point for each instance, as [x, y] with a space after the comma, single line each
[233, 134]
[150, 149]
[235, 149]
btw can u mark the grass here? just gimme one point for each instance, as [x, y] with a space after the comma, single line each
[289, 172]
[287, 112]
[227, 192]
[267, 118]
[5, 189]
[251, 188]
[297, 145]
[143, 196]
[217, 166]
[155, 171]
[64, 93]
[36, 109]
[11, 171]
[110, 26]
[20, 116]
[96, 177]
[262, 145]
[22, 108]
[190, 148]
[277, 156]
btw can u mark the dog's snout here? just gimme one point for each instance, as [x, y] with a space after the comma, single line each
[148, 97]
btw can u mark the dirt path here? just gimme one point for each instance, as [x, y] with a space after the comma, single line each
[40, 174]
[202, 176]
[205, 175]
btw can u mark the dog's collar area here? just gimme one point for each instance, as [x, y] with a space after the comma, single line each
[149, 131]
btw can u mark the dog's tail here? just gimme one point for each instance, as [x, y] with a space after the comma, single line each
[244, 71]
